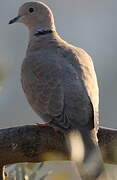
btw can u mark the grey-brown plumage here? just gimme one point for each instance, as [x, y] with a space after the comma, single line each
[58, 79]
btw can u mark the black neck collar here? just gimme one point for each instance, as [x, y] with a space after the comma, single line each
[43, 32]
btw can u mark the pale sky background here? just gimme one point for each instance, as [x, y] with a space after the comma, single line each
[89, 24]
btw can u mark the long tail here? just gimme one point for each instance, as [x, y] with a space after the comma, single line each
[86, 155]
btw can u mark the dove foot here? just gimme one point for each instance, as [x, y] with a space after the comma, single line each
[49, 125]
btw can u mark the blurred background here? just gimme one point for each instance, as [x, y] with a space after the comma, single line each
[91, 25]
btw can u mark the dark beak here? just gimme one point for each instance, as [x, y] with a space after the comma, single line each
[14, 20]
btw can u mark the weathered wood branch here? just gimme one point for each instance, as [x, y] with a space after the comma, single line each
[30, 143]
[107, 138]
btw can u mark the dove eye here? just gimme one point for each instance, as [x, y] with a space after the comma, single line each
[31, 10]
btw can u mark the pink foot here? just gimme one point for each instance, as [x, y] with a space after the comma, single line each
[47, 124]
[41, 124]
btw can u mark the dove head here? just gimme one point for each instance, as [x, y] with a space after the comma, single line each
[35, 15]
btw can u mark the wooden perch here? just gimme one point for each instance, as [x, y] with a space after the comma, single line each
[107, 139]
[30, 143]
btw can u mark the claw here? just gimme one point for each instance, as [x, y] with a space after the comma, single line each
[47, 124]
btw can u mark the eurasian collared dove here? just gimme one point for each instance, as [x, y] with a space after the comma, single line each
[58, 79]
